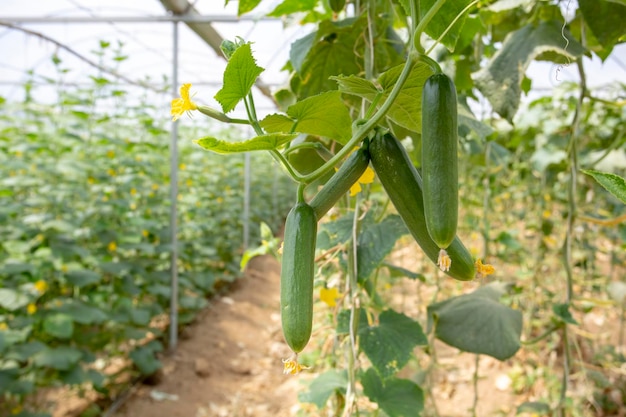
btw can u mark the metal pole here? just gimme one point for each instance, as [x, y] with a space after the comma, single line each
[173, 200]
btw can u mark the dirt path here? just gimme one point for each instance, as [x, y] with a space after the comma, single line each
[229, 361]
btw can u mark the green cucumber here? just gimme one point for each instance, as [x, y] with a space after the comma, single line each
[339, 184]
[403, 184]
[297, 274]
[439, 159]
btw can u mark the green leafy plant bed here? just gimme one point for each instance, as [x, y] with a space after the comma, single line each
[85, 249]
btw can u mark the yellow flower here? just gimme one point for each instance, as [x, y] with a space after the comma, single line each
[182, 167]
[366, 178]
[111, 154]
[133, 191]
[329, 296]
[31, 308]
[41, 286]
[145, 233]
[111, 172]
[3, 326]
[183, 104]
[292, 367]
[112, 247]
[482, 270]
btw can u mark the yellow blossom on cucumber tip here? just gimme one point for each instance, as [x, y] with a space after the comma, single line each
[182, 104]
[482, 270]
[292, 367]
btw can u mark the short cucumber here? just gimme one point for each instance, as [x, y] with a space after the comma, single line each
[403, 184]
[439, 159]
[339, 184]
[296, 276]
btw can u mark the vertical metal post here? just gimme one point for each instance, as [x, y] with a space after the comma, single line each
[246, 201]
[174, 200]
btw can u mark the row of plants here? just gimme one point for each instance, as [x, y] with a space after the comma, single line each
[528, 184]
[85, 256]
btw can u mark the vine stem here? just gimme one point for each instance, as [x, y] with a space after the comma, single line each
[421, 26]
[569, 236]
[354, 318]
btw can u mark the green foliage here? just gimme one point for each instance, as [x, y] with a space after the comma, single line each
[239, 77]
[614, 184]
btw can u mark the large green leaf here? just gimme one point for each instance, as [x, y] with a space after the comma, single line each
[605, 19]
[61, 358]
[376, 242]
[12, 300]
[82, 277]
[81, 312]
[332, 53]
[443, 18]
[59, 325]
[324, 386]
[396, 397]
[239, 76]
[500, 81]
[260, 143]
[246, 6]
[320, 115]
[478, 323]
[389, 344]
[613, 183]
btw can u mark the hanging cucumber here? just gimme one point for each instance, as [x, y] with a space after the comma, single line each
[297, 274]
[439, 162]
[339, 184]
[403, 184]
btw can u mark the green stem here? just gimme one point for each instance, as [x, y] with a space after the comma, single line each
[211, 112]
[475, 383]
[421, 26]
[249, 103]
[318, 147]
[301, 188]
[354, 316]
[540, 337]
[363, 130]
[285, 163]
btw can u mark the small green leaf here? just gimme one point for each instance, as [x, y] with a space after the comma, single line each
[614, 184]
[239, 76]
[563, 313]
[356, 86]
[260, 143]
[292, 6]
[478, 323]
[12, 300]
[59, 325]
[536, 407]
[389, 344]
[246, 6]
[396, 397]
[323, 115]
[61, 358]
[144, 358]
[500, 81]
[324, 386]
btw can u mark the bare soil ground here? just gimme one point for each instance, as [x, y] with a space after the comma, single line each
[229, 361]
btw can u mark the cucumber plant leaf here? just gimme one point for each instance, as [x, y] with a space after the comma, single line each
[239, 76]
[292, 6]
[246, 6]
[443, 18]
[605, 19]
[478, 323]
[500, 81]
[324, 386]
[320, 115]
[395, 396]
[61, 358]
[376, 241]
[613, 183]
[260, 143]
[389, 344]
